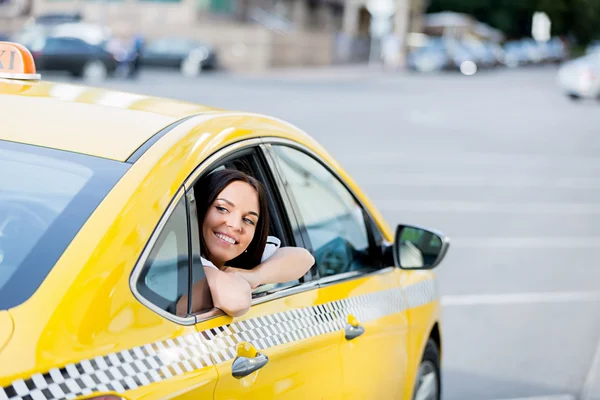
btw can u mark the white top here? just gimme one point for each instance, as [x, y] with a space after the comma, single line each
[271, 247]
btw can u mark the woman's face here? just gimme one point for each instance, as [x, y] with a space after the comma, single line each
[230, 222]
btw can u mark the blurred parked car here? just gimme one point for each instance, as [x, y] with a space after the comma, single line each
[38, 28]
[190, 56]
[580, 78]
[533, 50]
[443, 54]
[56, 18]
[90, 33]
[461, 57]
[554, 50]
[483, 56]
[594, 47]
[76, 56]
[515, 54]
[431, 57]
[497, 51]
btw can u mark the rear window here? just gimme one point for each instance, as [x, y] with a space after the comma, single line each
[46, 196]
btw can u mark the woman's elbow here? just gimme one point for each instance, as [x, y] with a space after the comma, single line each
[307, 260]
[235, 308]
[236, 302]
[236, 312]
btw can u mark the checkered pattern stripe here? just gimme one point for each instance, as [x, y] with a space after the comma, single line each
[116, 372]
[273, 330]
[421, 293]
[129, 369]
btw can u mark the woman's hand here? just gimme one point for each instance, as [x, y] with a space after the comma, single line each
[230, 292]
[227, 291]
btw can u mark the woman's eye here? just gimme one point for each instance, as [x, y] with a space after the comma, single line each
[221, 209]
[248, 221]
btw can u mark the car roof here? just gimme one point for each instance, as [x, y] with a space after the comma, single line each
[93, 121]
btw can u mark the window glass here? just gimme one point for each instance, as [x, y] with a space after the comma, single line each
[46, 196]
[164, 277]
[334, 221]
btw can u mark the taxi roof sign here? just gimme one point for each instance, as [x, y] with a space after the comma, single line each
[16, 62]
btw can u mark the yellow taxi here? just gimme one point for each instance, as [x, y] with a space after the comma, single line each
[98, 241]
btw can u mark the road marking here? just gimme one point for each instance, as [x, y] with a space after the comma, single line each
[552, 397]
[538, 242]
[489, 207]
[477, 159]
[518, 298]
[591, 385]
[473, 181]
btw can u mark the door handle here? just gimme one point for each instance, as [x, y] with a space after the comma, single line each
[353, 329]
[243, 366]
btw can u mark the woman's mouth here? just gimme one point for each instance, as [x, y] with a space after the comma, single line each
[225, 238]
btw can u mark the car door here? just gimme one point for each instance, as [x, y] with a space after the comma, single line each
[286, 346]
[362, 295]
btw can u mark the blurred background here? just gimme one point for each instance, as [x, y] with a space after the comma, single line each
[479, 118]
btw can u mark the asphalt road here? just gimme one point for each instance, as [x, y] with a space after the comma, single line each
[502, 163]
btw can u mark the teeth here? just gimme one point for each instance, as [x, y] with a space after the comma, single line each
[226, 238]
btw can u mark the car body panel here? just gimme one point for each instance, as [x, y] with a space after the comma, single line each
[6, 328]
[85, 308]
[108, 124]
[423, 316]
[303, 360]
[375, 363]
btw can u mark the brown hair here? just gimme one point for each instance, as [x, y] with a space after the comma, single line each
[206, 191]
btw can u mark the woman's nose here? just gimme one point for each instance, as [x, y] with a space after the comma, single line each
[234, 223]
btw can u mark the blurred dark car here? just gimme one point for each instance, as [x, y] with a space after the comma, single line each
[78, 57]
[4, 37]
[190, 56]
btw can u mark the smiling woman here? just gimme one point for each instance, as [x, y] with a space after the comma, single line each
[237, 253]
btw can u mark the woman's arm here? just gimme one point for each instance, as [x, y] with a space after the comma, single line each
[286, 264]
[230, 293]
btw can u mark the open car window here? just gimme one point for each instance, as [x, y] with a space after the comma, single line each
[250, 161]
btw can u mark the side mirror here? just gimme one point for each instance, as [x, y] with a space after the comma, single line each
[418, 248]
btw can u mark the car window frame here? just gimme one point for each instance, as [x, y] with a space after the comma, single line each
[150, 244]
[375, 236]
